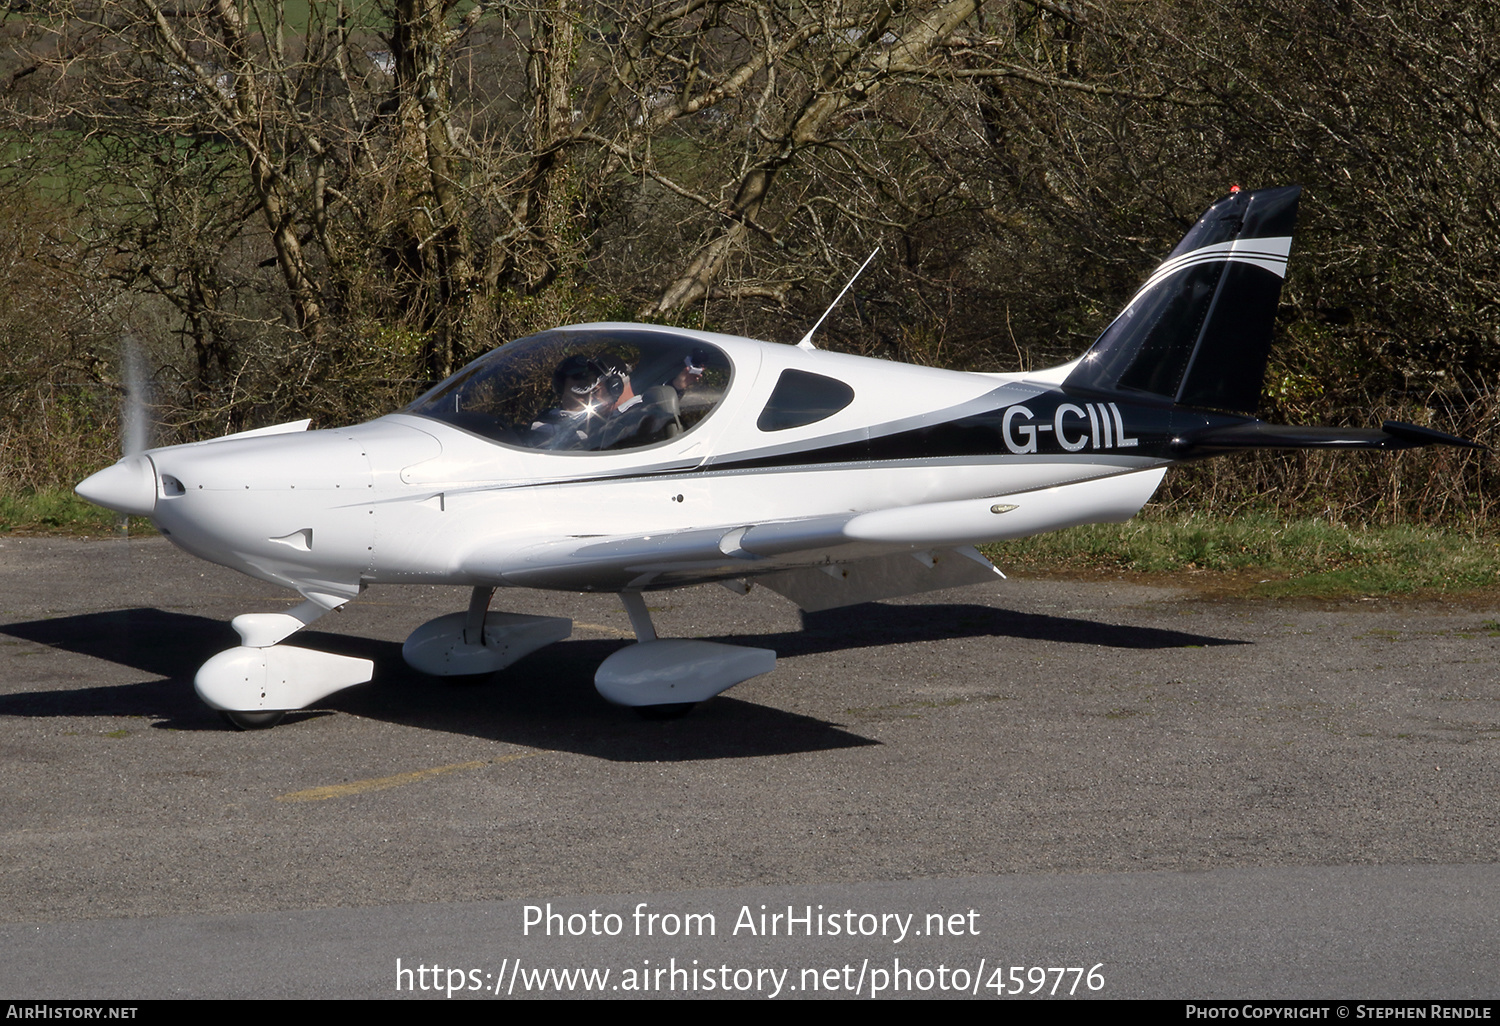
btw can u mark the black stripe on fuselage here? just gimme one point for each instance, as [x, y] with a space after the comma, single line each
[1050, 424]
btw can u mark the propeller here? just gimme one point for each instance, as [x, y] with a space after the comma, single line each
[129, 486]
[135, 418]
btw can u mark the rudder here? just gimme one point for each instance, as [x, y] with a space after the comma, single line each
[1198, 332]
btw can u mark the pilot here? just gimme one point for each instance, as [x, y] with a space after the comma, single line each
[584, 399]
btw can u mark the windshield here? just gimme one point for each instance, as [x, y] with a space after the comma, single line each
[584, 390]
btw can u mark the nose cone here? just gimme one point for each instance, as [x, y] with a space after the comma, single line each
[127, 487]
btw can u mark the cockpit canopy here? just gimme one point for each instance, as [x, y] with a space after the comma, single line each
[584, 390]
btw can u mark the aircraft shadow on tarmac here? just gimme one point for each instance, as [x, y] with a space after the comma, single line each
[875, 623]
[566, 714]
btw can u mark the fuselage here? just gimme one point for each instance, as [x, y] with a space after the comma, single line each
[414, 498]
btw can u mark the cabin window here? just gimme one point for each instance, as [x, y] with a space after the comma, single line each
[801, 398]
[584, 390]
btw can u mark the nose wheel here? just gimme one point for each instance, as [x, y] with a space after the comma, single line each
[255, 684]
[252, 720]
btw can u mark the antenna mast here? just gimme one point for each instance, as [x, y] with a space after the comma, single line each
[806, 342]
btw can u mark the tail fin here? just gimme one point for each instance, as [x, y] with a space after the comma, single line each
[1199, 330]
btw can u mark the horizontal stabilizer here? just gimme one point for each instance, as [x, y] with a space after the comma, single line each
[1415, 436]
[1392, 434]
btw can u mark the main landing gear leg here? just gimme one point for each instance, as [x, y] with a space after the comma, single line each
[255, 684]
[664, 679]
[479, 641]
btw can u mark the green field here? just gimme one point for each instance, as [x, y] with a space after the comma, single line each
[1268, 556]
[57, 511]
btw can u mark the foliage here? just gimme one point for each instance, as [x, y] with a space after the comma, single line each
[315, 208]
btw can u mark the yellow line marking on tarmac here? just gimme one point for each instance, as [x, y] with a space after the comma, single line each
[318, 794]
[612, 631]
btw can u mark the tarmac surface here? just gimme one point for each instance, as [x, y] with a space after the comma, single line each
[1211, 797]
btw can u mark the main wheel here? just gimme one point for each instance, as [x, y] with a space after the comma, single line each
[668, 711]
[252, 720]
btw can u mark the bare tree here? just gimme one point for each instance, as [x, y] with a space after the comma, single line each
[381, 193]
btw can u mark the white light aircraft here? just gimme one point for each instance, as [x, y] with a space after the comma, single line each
[628, 458]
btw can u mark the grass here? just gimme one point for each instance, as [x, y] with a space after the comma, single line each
[59, 511]
[1297, 558]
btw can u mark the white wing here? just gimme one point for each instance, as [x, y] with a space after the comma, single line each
[821, 562]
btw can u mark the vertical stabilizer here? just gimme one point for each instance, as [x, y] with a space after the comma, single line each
[1198, 332]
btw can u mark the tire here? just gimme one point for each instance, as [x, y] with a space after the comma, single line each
[252, 720]
[669, 711]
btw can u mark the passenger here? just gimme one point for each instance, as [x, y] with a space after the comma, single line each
[693, 366]
[652, 416]
[617, 381]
